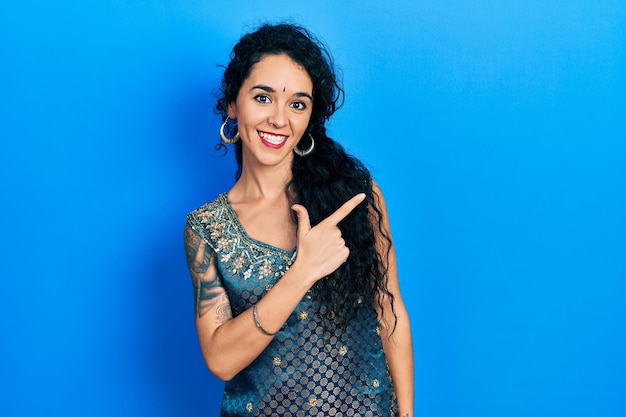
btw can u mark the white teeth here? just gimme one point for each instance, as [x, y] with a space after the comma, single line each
[273, 139]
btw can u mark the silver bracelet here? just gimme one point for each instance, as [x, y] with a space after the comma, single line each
[258, 323]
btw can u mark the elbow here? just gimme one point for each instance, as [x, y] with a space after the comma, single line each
[220, 369]
[217, 361]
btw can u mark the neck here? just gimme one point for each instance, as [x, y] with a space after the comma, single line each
[264, 183]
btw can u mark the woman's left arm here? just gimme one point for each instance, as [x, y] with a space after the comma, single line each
[398, 341]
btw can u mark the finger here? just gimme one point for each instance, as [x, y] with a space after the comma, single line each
[345, 209]
[304, 223]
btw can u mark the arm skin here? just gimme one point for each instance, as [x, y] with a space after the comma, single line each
[398, 345]
[230, 344]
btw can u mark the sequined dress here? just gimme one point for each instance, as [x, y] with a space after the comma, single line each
[304, 371]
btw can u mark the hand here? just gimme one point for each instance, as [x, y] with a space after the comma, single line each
[321, 249]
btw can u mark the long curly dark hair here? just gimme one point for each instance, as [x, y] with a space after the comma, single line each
[323, 180]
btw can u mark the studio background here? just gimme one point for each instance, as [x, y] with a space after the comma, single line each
[496, 130]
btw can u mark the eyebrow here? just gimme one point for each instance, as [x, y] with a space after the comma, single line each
[271, 90]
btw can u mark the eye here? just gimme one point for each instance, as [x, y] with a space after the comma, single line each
[299, 105]
[263, 98]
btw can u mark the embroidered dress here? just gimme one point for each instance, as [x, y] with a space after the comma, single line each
[305, 370]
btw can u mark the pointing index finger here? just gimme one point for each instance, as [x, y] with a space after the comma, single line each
[345, 209]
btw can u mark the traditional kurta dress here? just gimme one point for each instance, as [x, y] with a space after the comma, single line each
[306, 370]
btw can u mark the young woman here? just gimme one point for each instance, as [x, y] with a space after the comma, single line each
[298, 306]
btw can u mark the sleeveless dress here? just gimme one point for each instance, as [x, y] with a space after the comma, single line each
[305, 370]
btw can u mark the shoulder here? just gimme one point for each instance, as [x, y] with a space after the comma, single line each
[378, 194]
[209, 218]
[378, 208]
[207, 211]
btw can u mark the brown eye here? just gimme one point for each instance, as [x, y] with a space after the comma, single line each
[298, 105]
[263, 98]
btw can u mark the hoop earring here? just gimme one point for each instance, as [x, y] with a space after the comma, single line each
[308, 151]
[225, 139]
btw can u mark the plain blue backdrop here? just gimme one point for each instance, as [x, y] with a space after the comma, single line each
[496, 130]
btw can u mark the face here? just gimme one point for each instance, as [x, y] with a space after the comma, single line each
[272, 110]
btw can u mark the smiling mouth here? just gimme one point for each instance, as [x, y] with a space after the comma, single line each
[271, 140]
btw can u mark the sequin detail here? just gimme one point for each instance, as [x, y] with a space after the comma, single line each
[304, 371]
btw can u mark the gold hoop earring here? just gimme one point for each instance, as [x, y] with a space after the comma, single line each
[225, 139]
[302, 153]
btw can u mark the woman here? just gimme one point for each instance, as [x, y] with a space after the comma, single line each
[297, 301]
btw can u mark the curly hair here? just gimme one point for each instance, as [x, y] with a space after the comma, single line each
[326, 178]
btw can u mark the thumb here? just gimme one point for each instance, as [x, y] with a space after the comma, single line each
[304, 223]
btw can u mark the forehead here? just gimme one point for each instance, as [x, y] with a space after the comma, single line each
[280, 71]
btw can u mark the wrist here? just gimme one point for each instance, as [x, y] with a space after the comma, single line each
[300, 276]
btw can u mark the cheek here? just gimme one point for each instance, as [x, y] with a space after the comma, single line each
[245, 117]
[305, 121]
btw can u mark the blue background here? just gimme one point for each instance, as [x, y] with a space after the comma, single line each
[496, 130]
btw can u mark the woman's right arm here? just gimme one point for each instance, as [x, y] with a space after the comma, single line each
[230, 344]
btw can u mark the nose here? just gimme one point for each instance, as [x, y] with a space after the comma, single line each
[278, 118]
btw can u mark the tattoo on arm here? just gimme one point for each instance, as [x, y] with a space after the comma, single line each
[207, 289]
[195, 250]
[206, 295]
[223, 310]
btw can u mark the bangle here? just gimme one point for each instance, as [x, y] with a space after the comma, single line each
[258, 323]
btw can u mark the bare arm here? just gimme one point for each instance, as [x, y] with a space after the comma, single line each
[230, 344]
[398, 345]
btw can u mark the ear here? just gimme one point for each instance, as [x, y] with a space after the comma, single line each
[232, 111]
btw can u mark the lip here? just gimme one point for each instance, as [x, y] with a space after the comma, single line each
[272, 140]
